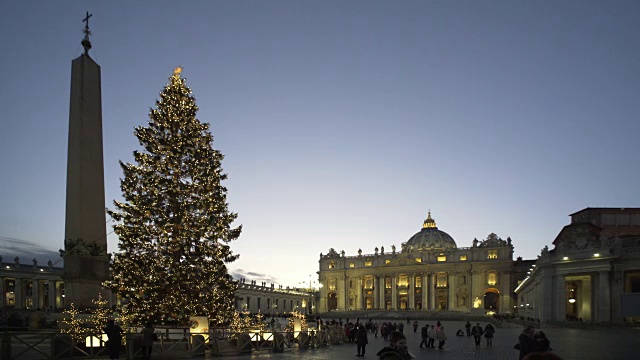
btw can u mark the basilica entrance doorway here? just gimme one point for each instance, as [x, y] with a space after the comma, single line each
[491, 297]
[332, 303]
[404, 303]
[368, 303]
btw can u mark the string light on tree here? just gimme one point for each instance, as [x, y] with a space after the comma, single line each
[174, 225]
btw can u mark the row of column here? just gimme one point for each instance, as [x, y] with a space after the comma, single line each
[18, 298]
[428, 295]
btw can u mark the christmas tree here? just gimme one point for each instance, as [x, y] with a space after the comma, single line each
[174, 224]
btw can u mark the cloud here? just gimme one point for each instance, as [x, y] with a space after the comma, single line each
[250, 275]
[26, 250]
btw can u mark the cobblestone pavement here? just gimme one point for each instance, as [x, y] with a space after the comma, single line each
[570, 344]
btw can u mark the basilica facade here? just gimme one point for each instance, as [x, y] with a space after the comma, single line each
[429, 272]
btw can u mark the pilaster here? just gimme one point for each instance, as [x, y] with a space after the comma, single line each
[394, 293]
[359, 301]
[412, 289]
[425, 291]
[35, 294]
[18, 292]
[432, 291]
[560, 296]
[604, 297]
[52, 294]
[451, 284]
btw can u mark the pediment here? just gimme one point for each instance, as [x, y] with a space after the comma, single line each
[576, 237]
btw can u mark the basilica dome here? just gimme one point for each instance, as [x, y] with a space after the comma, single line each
[429, 238]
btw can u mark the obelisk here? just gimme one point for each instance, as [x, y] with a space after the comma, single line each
[86, 264]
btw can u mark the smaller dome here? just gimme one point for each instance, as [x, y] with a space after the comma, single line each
[429, 238]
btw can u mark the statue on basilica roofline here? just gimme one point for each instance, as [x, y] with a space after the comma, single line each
[382, 250]
[393, 249]
[492, 240]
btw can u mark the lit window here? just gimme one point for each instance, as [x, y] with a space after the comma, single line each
[441, 280]
[463, 257]
[418, 281]
[492, 278]
[419, 260]
[368, 263]
[492, 254]
[442, 257]
[387, 261]
[403, 280]
[387, 283]
[332, 265]
[352, 265]
[368, 284]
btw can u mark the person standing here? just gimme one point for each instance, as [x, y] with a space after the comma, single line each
[397, 349]
[442, 337]
[148, 335]
[361, 340]
[432, 337]
[541, 342]
[477, 333]
[114, 334]
[525, 343]
[488, 334]
[424, 333]
[415, 326]
[468, 327]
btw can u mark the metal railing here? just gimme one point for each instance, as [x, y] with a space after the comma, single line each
[28, 345]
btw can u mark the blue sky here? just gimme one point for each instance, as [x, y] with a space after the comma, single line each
[342, 123]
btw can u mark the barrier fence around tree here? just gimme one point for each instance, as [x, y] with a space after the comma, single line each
[171, 343]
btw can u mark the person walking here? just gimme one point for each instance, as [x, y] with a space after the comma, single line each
[432, 337]
[148, 335]
[442, 337]
[477, 333]
[361, 340]
[468, 327]
[114, 334]
[488, 334]
[397, 349]
[415, 326]
[424, 333]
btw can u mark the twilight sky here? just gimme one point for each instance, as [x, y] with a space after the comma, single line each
[342, 123]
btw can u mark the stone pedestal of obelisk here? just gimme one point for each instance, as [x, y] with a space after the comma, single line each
[86, 264]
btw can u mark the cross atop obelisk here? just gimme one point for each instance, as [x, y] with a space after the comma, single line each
[86, 43]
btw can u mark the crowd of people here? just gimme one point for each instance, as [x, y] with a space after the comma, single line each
[532, 344]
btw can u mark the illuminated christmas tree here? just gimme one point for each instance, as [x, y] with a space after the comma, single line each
[174, 225]
[72, 324]
[100, 314]
[290, 321]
